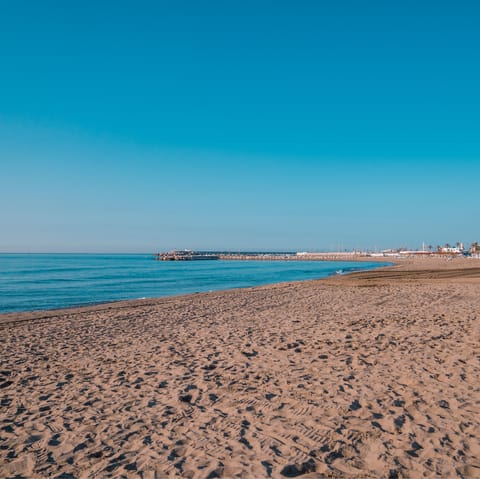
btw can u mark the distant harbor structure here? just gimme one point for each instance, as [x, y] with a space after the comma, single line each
[185, 255]
[447, 251]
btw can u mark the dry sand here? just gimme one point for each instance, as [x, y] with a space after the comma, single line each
[372, 375]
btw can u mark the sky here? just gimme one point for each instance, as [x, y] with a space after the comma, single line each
[309, 125]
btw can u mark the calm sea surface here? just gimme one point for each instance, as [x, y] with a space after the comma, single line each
[46, 281]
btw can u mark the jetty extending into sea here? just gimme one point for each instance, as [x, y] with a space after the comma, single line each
[185, 255]
[188, 255]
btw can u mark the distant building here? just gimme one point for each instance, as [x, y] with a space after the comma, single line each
[451, 249]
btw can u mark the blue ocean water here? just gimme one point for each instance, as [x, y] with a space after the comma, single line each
[47, 281]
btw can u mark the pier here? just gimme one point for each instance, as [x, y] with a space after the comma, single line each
[185, 255]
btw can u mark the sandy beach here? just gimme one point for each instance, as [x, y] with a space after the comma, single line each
[370, 375]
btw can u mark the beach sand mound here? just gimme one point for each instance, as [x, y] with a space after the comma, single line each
[325, 379]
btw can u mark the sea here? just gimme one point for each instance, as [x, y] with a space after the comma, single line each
[31, 282]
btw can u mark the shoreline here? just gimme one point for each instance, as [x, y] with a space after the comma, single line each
[402, 263]
[77, 309]
[372, 374]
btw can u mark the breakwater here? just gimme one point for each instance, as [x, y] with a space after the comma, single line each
[294, 257]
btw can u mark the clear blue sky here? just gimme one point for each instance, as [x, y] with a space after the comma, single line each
[148, 125]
